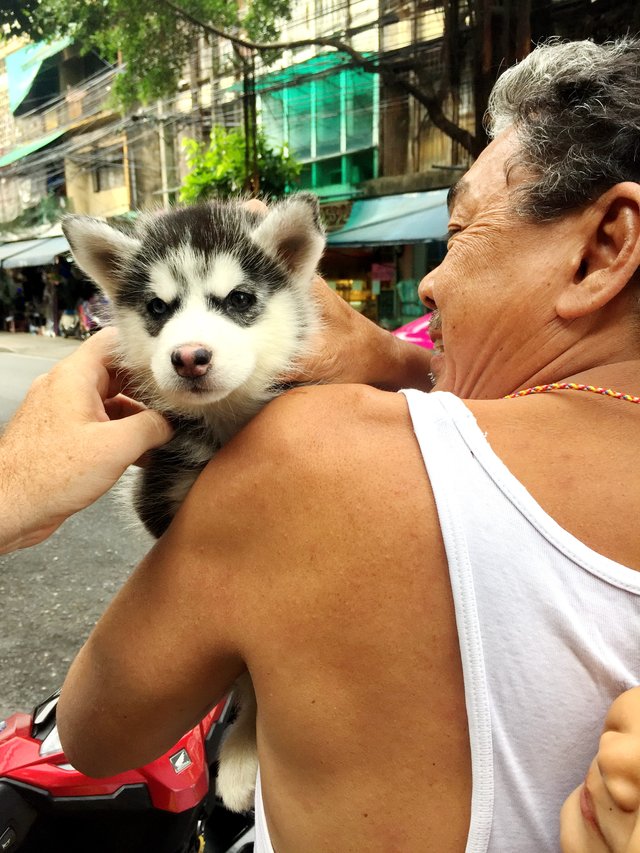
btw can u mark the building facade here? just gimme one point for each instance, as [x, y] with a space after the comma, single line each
[365, 146]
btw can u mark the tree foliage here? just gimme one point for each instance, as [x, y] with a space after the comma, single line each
[150, 37]
[18, 17]
[220, 168]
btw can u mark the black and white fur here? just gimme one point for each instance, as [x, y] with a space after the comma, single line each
[213, 305]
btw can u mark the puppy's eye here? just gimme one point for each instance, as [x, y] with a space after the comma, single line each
[157, 307]
[240, 300]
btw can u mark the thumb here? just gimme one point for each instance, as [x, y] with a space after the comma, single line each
[136, 434]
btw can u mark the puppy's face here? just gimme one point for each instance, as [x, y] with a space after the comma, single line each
[203, 326]
[209, 300]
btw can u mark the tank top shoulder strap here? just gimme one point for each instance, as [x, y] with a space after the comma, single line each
[434, 418]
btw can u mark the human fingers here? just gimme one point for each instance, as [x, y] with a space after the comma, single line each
[93, 364]
[255, 205]
[98, 349]
[131, 437]
[122, 382]
[323, 359]
[120, 406]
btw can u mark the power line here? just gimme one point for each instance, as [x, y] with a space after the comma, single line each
[98, 76]
[77, 144]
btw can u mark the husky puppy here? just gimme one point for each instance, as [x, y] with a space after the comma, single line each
[213, 305]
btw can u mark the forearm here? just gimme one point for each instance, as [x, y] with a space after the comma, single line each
[14, 537]
[20, 524]
[74, 413]
[383, 360]
[406, 365]
[351, 349]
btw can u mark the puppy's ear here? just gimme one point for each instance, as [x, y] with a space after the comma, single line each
[292, 232]
[99, 250]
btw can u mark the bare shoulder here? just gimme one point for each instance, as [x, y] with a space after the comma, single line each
[331, 475]
[323, 409]
[309, 435]
[336, 593]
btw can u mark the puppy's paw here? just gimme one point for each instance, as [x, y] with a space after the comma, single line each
[236, 782]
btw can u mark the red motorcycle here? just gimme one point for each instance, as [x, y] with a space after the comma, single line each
[167, 806]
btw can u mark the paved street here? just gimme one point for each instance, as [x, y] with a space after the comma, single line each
[22, 358]
[53, 594]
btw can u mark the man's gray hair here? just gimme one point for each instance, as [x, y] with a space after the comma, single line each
[575, 108]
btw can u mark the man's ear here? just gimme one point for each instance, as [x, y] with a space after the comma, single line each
[292, 232]
[99, 250]
[610, 254]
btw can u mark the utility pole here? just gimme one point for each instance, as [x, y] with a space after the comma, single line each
[164, 184]
[250, 119]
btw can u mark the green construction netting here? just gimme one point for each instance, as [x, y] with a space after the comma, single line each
[324, 62]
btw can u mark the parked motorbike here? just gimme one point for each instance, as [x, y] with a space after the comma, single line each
[167, 806]
[68, 327]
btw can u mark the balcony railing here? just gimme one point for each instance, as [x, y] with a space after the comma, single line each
[74, 107]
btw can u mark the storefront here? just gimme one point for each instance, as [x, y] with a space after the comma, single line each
[32, 283]
[379, 249]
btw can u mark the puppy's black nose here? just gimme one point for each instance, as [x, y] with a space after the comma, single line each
[190, 361]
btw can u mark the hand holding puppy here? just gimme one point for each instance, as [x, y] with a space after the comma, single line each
[351, 349]
[69, 442]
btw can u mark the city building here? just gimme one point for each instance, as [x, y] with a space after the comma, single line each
[366, 146]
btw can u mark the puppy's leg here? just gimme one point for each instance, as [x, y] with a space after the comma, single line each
[238, 758]
[162, 487]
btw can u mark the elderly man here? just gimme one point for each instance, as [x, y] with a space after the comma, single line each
[436, 595]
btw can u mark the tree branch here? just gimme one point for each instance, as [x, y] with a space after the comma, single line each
[429, 100]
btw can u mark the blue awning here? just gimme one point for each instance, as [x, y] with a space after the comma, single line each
[395, 220]
[23, 65]
[32, 253]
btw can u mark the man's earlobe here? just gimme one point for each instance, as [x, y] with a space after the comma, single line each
[610, 253]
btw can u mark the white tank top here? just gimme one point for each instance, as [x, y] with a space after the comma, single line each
[548, 633]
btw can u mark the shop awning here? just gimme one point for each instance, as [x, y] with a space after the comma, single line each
[23, 66]
[28, 148]
[395, 220]
[32, 253]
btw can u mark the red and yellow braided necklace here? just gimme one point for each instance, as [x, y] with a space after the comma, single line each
[574, 386]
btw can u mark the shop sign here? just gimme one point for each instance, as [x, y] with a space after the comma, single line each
[383, 272]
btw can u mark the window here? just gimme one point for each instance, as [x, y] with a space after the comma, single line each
[328, 115]
[328, 121]
[300, 111]
[329, 172]
[362, 166]
[359, 109]
[108, 173]
[273, 118]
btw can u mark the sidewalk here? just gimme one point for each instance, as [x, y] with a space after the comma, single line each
[22, 343]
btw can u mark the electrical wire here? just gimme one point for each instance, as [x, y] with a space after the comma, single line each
[98, 156]
[73, 149]
[92, 161]
[317, 70]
